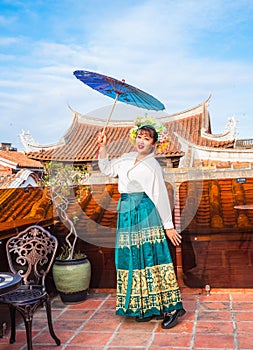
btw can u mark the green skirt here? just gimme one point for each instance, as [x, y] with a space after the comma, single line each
[146, 280]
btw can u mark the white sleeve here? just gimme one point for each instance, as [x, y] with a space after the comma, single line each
[108, 167]
[159, 195]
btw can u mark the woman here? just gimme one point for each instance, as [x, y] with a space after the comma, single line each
[146, 283]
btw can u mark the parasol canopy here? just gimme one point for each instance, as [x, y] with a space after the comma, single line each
[119, 90]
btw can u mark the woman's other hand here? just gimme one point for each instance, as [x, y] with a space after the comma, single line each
[174, 236]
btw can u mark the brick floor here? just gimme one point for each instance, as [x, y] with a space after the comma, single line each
[221, 321]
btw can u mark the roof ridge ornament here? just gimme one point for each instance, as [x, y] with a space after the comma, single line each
[30, 145]
[230, 132]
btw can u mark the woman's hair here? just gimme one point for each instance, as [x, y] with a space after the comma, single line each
[151, 131]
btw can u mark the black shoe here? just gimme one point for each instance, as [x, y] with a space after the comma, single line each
[143, 319]
[170, 320]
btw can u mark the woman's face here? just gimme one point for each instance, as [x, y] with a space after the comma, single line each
[144, 143]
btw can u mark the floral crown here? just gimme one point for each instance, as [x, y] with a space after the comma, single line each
[163, 136]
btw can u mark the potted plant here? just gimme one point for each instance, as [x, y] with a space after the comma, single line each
[71, 269]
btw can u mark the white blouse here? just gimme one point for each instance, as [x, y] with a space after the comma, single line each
[144, 176]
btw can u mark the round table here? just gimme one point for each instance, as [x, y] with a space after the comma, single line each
[8, 282]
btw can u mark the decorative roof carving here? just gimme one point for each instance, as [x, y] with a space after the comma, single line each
[23, 178]
[229, 133]
[31, 145]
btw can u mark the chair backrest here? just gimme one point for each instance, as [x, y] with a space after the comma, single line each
[31, 254]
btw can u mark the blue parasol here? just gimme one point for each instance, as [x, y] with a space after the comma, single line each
[119, 91]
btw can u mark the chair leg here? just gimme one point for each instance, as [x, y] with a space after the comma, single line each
[13, 323]
[49, 320]
[28, 327]
[27, 314]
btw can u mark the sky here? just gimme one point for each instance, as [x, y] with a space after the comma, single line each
[178, 51]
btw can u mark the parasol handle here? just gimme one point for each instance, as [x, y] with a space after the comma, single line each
[110, 114]
[108, 119]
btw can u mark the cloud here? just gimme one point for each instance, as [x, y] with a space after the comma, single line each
[178, 51]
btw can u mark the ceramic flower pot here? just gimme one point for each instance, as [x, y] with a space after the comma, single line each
[72, 279]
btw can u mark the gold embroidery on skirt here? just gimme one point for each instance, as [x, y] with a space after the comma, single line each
[152, 287]
[149, 235]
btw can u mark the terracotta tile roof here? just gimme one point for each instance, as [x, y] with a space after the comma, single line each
[19, 160]
[5, 180]
[20, 207]
[216, 210]
[97, 212]
[190, 129]
[80, 141]
[82, 146]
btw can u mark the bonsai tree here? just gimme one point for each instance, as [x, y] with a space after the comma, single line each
[67, 184]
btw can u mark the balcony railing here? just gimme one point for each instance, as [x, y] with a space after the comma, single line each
[244, 143]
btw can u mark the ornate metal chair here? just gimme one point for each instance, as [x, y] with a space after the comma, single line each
[30, 254]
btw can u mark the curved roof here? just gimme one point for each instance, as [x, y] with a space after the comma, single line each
[17, 160]
[80, 141]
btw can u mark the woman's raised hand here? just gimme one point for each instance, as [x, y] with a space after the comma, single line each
[102, 138]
